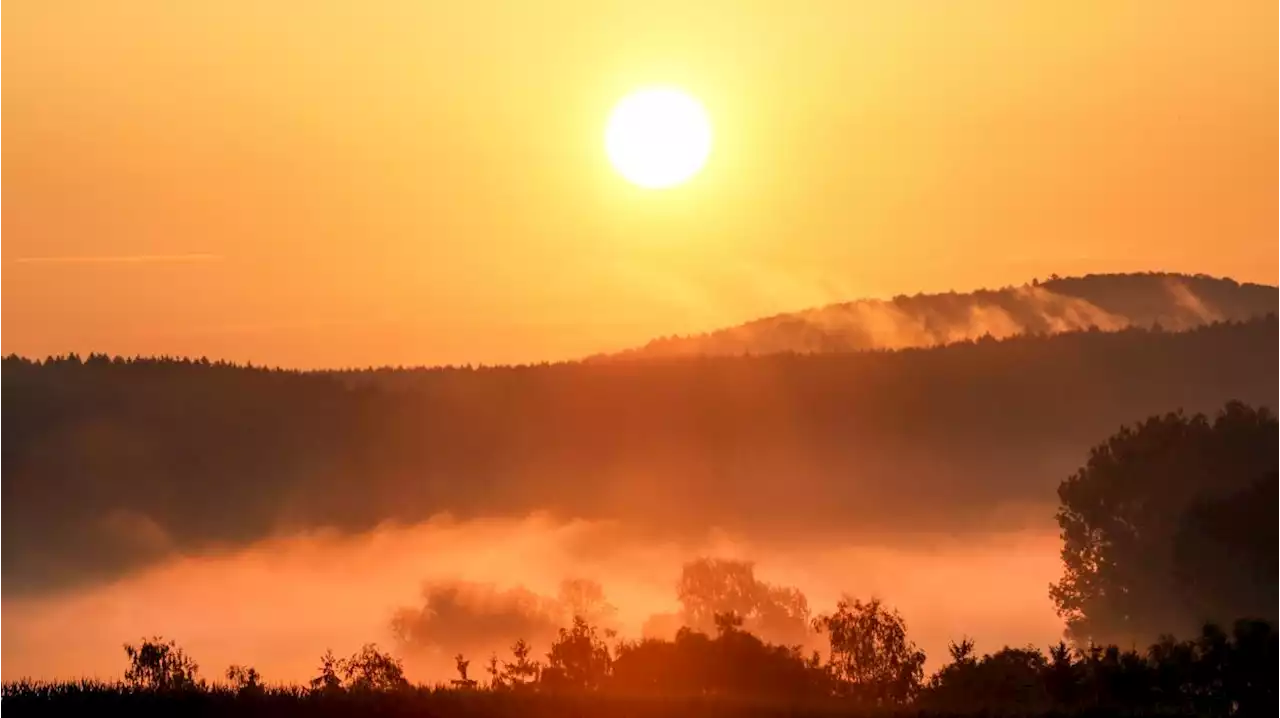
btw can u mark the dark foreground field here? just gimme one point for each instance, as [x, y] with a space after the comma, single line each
[456, 703]
[450, 703]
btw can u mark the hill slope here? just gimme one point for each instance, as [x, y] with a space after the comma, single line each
[1107, 301]
[111, 464]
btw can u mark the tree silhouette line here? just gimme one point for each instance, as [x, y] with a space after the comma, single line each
[870, 665]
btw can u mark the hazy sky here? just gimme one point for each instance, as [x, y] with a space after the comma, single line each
[335, 183]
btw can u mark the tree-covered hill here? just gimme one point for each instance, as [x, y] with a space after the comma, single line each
[112, 463]
[1107, 301]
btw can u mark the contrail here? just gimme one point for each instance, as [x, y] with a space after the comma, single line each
[121, 259]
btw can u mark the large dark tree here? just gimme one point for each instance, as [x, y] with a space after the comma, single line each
[1144, 491]
[1225, 558]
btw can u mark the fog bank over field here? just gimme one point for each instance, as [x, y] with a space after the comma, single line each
[279, 603]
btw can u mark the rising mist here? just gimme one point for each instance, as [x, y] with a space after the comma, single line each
[281, 603]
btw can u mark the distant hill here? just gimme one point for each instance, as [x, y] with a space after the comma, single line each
[1106, 301]
[111, 464]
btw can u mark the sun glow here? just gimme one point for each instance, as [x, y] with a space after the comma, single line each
[658, 137]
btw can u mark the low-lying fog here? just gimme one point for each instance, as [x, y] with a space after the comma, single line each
[281, 603]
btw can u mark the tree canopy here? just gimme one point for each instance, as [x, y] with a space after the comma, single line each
[1165, 528]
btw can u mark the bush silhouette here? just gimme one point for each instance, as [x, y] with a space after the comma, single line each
[245, 679]
[579, 660]
[159, 665]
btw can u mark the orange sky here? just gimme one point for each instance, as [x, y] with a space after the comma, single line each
[334, 183]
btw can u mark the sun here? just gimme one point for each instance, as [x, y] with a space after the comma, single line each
[658, 137]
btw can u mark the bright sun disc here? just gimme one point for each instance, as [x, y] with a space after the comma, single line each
[658, 137]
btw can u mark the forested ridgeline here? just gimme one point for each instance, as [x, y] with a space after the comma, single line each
[1058, 304]
[111, 463]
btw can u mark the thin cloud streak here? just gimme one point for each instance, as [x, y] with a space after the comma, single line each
[123, 259]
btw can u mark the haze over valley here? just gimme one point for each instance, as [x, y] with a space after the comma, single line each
[898, 473]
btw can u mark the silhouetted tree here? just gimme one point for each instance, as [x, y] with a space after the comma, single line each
[495, 673]
[709, 587]
[1061, 679]
[585, 598]
[245, 679]
[462, 664]
[870, 656]
[578, 660]
[159, 665]
[1253, 666]
[1225, 554]
[329, 680]
[466, 617]
[733, 664]
[1011, 679]
[1122, 512]
[524, 671]
[370, 669]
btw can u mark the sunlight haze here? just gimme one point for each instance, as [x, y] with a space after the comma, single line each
[418, 183]
[646, 358]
